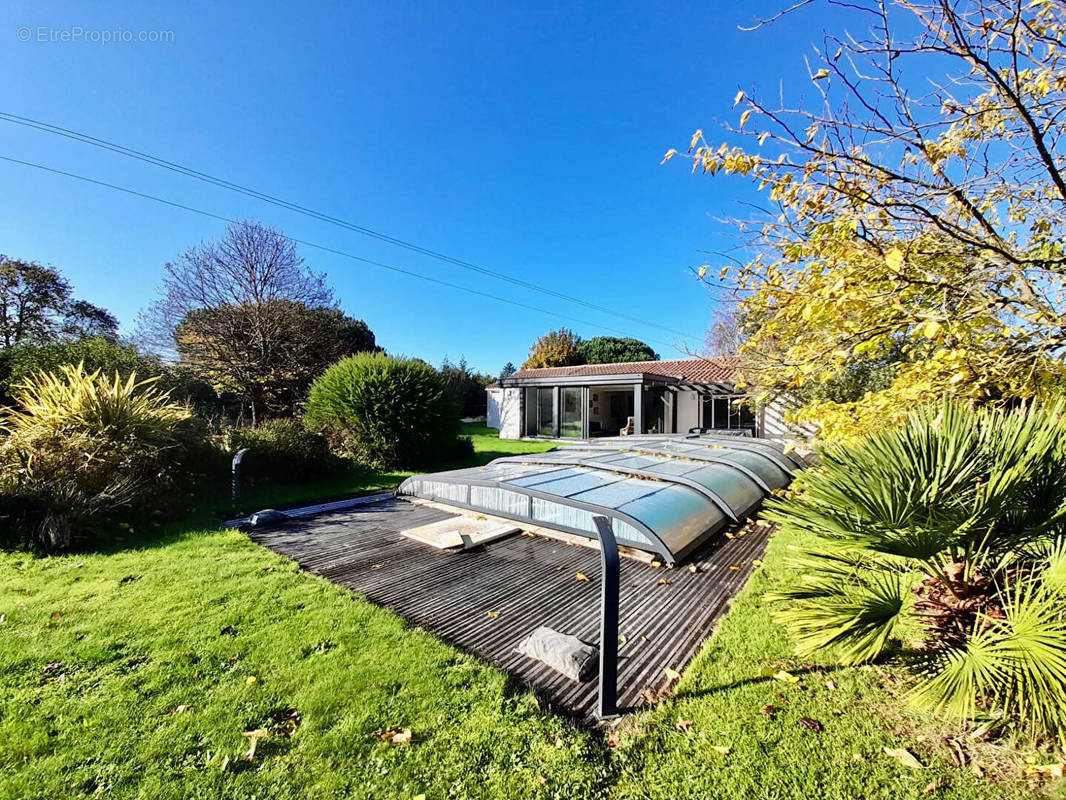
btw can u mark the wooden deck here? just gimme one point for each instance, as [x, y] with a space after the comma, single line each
[524, 581]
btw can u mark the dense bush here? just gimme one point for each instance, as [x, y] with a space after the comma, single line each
[282, 450]
[82, 445]
[94, 352]
[954, 523]
[388, 412]
[467, 386]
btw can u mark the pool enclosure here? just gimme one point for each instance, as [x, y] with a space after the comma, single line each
[664, 494]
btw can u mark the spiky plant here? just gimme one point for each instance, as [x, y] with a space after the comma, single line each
[952, 522]
[82, 444]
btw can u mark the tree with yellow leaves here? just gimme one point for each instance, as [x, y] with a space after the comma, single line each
[918, 211]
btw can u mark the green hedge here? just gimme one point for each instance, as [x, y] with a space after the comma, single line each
[282, 450]
[388, 412]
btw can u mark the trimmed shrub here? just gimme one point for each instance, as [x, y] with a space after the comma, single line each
[83, 445]
[388, 412]
[282, 450]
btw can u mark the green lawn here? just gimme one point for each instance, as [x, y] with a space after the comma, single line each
[130, 674]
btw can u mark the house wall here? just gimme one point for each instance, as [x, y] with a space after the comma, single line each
[688, 410]
[774, 426]
[505, 411]
[493, 396]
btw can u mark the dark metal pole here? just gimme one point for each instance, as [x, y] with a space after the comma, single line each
[235, 480]
[608, 694]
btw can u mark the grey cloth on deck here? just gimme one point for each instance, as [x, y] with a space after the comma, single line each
[563, 653]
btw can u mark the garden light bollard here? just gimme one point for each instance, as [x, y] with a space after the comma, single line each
[607, 703]
[235, 479]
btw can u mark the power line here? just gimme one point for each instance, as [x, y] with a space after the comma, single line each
[299, 209]
[322, 247]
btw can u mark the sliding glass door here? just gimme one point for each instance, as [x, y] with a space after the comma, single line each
[545, 412]
[572, 423]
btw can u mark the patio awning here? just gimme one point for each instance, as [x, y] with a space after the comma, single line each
[664, 494]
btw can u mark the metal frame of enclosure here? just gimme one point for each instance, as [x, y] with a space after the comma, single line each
[663, 494]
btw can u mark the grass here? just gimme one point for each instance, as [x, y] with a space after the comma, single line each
[99, 652]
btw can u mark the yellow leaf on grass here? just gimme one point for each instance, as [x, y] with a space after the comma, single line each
[787, 677]
[722, 749]
[903, 756]
[672, 674]
[756, 562]
[250, 680]
[402, 737]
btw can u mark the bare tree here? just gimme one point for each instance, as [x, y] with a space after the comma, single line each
[230, 300]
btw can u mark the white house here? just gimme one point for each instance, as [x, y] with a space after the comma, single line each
[676, 396]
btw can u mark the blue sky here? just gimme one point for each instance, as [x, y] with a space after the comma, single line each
[525, 139]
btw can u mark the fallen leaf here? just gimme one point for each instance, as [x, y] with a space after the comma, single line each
[560, 568]
[734, 566]
[622, 639]
[229, 630]
[493, 614]
[377, 566]
[672, 674]
[810, 724]
[755, 562]
[402, 737]
[830, 684]
[693, 568]
[663, 582]
[1051, 770]
[722, 749]
[903, 756]
[57, 614]
[180, 709]
[683, 724]
[285, 721]
[253, 738]
[787, 677]
[250, 680]
[613, 739]
[932, 787]
[656, 564]
[581, 576]
[770, 711]
[225, 763]
[730, 536]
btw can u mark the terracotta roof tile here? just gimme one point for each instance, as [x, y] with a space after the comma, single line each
[697, 370]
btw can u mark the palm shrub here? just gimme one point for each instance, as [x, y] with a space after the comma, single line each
[80, 445]
[388, 412]
[952, 524]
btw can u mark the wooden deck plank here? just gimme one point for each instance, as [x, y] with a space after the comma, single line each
[525, 582]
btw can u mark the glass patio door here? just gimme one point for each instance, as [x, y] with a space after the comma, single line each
[572, 423]
[545, 412]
